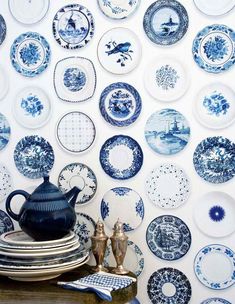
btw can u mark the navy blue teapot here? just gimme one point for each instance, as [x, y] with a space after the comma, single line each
[47, 213]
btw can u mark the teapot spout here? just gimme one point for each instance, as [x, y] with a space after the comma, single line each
[72, 195]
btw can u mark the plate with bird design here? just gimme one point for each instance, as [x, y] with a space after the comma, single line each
[119, 50]
[118, 9]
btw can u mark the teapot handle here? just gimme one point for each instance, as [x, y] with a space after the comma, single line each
[8, 201]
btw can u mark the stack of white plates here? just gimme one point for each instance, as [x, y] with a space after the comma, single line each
[23, 259]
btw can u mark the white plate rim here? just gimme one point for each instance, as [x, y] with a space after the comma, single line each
[212, 12]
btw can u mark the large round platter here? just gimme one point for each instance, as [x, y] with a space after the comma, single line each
[214, 48]
[168, 186]
[32, 107]
[5, 182]
[214, 214]
[216, 301]
[5, 131]
[120, 104]
[34, 156]
[121, 157]
[119, 50]
[123, 203]
[215, 7]
[84, 228]
[215, 106]
[168, 237]
[167, 131]
[214, 266]
[30, 54]
[6, 223]
[4, 83]
[3, 29]
[214, 159]
[169, 285]
[73, 26]
[28, 12]
[118, 9]
[75, 132]
[165, 22]
[81, 176]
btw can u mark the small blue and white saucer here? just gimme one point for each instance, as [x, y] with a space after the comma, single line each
[216, 301]
[5, 131]
[84, 228]
[6, 223]
[3, 29]
[5, 182]
[116, 9]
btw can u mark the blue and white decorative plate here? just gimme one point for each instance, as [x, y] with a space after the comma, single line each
[4, 83]
[28, 11]
[119, 50]
[84, 228]
[81, 176]
[168, 186]
[125, 204]
[167, 131]
[214, 48]
[73, 26]
[214, 159]
[216, 301]
[121, 157]
[6, 223]
[134, 258]
[214, 266]
[75, 132]
[75, 79]
[116, 9]
[215, 7]
[3, 29]
[166, 79]
[5, 182]
[34, 156]
[215, 106]
[120, 104]
[5, 131]
[165, 22]
[168, 237]
[32, 107]
[30, 54]
[169, 286]
[214, 214]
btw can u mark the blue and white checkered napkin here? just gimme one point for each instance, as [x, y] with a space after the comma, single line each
[101, 283]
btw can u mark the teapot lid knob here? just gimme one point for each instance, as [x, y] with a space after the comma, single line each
[46, 178]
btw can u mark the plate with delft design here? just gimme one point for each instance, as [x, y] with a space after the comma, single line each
[30, 54]
[6, 223]
[5, 131]
[32, 107]
[214, 106]
[75, 79]
[119, 50]
[118, 9]
[216, 301]
[73, 26]
[125, 204]
[168, 237]
[214, 48]
[3, 29]
[4, 83]
[28, 12]
[214, 266]
[165, 22]
[215, 7]
[121, 157]
[34, 156]
[5, 182]
[167, 132]
[81, 176]
[214, 159]
[214, 214]
[84, 228]
[168, 186]
[120, 104]
[169, 285]
[75, 132]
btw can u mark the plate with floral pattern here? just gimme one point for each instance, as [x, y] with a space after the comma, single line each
[120, 104]
[118, 9]
[5, 131]
[84, 228]
[214, 266]
[32, 107]
[75, 79]
[30, 54]
[6, 223]
[215, 7]
[216, 301]
[73, 26]
[34, 156]
[81, 176]
[214, 159]
[3, 29]
[125, 204]
[121, 157]
[4, 83]
[5, 182]
[214, 48]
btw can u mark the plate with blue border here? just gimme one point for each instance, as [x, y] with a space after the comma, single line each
[168, 237]
[5, 182]
[123, 203]
[169, 285]
[5, 131]
[6, 223]
[73, 26]
[215, 7]
[214, 159]
[214, 266]
[121, 157]
[30, 54]
[165, 22]
[3, 29]
[116, 9]
[84, 228]
[34, 156]
[216, 301]
[120, 104]
[214, 48]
